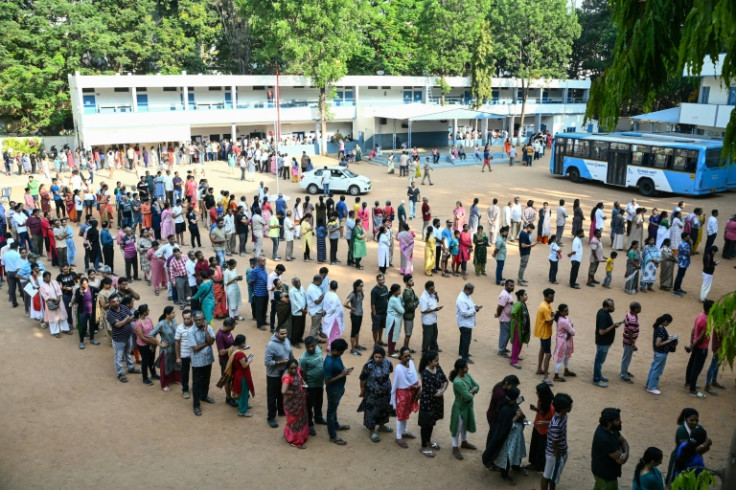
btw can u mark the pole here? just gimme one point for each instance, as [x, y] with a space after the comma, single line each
[278, 125]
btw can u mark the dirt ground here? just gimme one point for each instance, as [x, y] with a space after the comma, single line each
[68, 423]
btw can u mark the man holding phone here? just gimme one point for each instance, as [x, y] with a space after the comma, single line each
[335, 374]
[428, 307]
[605, 333]
[277, 354]
[465, 311]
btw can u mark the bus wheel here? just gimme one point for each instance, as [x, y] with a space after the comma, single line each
[646, 187]
[574, 174]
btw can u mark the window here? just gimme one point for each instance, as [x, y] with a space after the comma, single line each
[582, 149]
[704, 95]
[258, 87]
[732, 96]
[141, 89]
[713, 158]
[171, 89]
[620, 146]
[600, 150]
[215, 89]
[641, 155]
[88, 90]
[121, 89]
[686, 160]
[372, 87]
[662, 157]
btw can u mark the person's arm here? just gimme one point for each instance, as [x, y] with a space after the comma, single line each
[177, 348]
[604, 331]
[467, 310]
[624, 449]
[338, 377]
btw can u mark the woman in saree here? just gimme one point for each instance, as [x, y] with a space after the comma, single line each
[480, 251]
[458, 216]
[169, 370]
[520, 328]
[406, 246]
[206, 296]
[218, 285]
[430, 245]
[146, 213]
[47, 231]
[144, 245]
[167, 222]
[462, 419]
[377, 218]
[45, 199]
[650, 262]
[282, 305]
[231, 277]
[591, 228]
[633, 265]
[577, 217]
[466, 246]
[364, 215]
[156, 210]
[676, 229]
[71, 248]
[71, 209]
[307, 235]
[667, 262]
[241, 383]
[296, 430]
[158, 273]
[103, 297]
[394, 317]
[543, 224]
[405, 395]
[56, 319]
[653, 224]
[333, 321]
[357, 242]
[36, 304]
[663, 229]
[618, 227]
[637, 227]
[375, 390]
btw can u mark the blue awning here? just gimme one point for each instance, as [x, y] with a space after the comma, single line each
[667, 116]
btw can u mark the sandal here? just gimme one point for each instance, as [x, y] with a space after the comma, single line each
[385, 428]
[339, 442]
[401, 443]
[156, 292]
[57, 335]
[427, 452]
[375, 438]
[342, 427]
[166, 388]
[298, 447]
[697, 395]
[197, 411]
[434, 446]
[122, 378]
[467, 445]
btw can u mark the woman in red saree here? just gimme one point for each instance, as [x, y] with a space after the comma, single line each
[45, 199]
[296, 430]
[71, 209]
[241, 382]
[466, 246]
[48, 237]
[219, 289]
[405, 395]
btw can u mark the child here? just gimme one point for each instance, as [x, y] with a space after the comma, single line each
[631, 333]
[609, 270]
[555, 252]
[455, 252]
[556, 447]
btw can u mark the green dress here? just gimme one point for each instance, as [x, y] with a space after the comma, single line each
[480, 252]
[463, 404]
[520, 324]
[358, 245]
[206, 296]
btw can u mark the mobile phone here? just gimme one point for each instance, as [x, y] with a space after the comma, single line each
[250, 356]
[520, 400]
[527, 422]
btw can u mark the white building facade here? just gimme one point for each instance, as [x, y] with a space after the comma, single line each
[117, 110]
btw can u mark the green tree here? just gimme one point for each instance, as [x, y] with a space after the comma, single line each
[483, 66]
[313, 37]
[651, 50]
[447, 33]
[534, 40]
[234, 40]
[184, 36]
[592, 51]
[390, 39]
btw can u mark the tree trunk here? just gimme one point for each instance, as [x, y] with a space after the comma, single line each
[524, 94]
[323, 120]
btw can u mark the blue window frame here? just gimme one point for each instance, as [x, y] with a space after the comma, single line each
[90, 106]
[142, 102]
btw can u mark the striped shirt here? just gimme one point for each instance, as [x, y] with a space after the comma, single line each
[120, 334]
[557, 432]
[260, 282]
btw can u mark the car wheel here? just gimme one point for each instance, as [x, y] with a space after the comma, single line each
[312, 189]
[574, 174]
[354, 190]
[646, 187]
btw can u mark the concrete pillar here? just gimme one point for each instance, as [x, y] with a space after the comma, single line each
[539, 122]
[511, 129]
[454, 131]
[134, 97]
[541, 94]
[356, 95]
[484, 130]
[564, 94]
[408, 143]
[234, 97]
[185, 97]
[233, 132]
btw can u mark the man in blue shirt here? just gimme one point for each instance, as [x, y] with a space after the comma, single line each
[259, 280]
[58, 201]
[342, 210]
[683, 262]
[13, 262]
[335, 374]
[281, 209]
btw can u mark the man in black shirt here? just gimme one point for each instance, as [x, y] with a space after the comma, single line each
[610, 450]
[605, 332]
[66, 281]
[241, 228]
[379, 308]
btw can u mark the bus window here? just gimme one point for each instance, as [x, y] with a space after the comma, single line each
[600, 151]
[686, 160]
[713, 158]
[620, 146]
[560, 145]
[569, 147]
[641, 155]
[662, 157]
[582, 149]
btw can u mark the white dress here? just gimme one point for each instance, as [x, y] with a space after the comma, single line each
[232, 291]
[333, 322]
[383, 250]
[676, 233]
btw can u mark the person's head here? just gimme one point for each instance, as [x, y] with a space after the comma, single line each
[228, 325]
[512, 394]
[405, 355]
[430, 359]
[509, 285]
[395, 289]
[510, 381]
[84, 284]
[381, 280]
[338, 347]
[549, 295]
[261, 261]
[634, 307]
[199, 319]
[141, 312]
[562, 311]
[580, 233]
[697, 437]
[562, 202]
[469, 288]
[689, 416]
[608, 305]
[707, 305]
[652, 457]
[47, 277]
[292, 365]
[459, 369]
[663, 320]
[521, 295]
[504, 231]
[282, 333]
[323, 271]
[378, 355]
[562, 403]
[168, 314]
[610, 419]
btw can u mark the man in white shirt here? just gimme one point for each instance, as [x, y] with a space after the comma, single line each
[183, 350]
[600, 217]
[258, 224]
[562, 215]
[503, 313]
[576, 256]
[630, 212]
[516, 213]
[191, 275]
[179, 222]
[298, 301]
[275, 274]
[494, 221]
[314, 304]
[169, 186]
[289, 236]
[428, 307]
[711, 229]
[465, 311]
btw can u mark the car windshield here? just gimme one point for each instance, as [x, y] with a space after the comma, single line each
[348, 173]
[318, 172]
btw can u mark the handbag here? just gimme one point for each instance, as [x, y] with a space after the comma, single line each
[52, 304]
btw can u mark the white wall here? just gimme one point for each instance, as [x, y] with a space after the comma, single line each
[718, 92]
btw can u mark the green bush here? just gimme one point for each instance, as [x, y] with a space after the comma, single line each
[22, 145]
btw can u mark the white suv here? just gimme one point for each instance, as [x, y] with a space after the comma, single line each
[341, 180]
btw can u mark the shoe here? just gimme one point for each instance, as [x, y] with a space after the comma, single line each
[355, 352]
[548, 382]
[155, 376]
[231, 402]
[94, 342]
[209, 400]
[590, 284]
[134, 371]
[467, 445]
[603, 378]
[394, 356]
[272, 423]
[601, 384]
[185, 395]
[312, 431]
[630, 375]
[575, 286]
[197, 411]
[710, 391]
[654, 392]
[570, 374]
[626, 379]
[457, 454]
[559, 378]
[470, 361]
[81, 346]
[147, 382]
[697, 395]
[246, 414]
[516, 366]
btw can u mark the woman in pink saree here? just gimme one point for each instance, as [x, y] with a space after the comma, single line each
[167, 222]
[466, 246]
[296, 430]
[365, 216]
[158, 273]
[459, 216]
[406, 245]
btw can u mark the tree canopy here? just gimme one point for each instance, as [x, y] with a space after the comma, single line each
[650, 52]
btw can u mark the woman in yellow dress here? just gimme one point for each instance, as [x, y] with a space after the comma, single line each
[307, 234]
[429, 251]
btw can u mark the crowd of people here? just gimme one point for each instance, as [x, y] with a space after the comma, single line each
[148, 224]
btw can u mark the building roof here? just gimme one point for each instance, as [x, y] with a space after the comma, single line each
[428, 112]
[668, 116]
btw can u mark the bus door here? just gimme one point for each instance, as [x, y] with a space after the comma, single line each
[559, 160]
[617, 162]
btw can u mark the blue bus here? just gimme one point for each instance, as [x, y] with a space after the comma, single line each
[652, 162]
